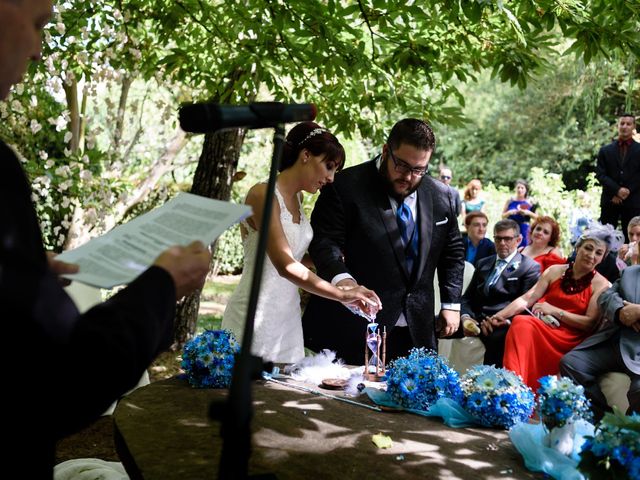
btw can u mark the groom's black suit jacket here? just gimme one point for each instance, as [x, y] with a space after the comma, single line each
[356, 232]
[64, 369]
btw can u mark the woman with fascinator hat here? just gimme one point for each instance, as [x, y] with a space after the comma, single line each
[561, 309]
[311, 157]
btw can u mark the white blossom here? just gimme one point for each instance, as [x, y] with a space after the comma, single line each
[35, 126]
[43, 155]
[63, 171]
[60, 28]
[60, 122]
[67, 137]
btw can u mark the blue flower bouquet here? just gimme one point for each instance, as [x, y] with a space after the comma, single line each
[496, 397]
[208, 359]
[416, 382]
[561, 401]
[614, 450]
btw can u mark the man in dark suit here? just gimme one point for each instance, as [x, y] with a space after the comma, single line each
[618, 171]
[615, 348]
[387, 225]
[476, 245]
[496, 282]
[64, 369]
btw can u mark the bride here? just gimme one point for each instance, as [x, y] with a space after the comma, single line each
[311, 157]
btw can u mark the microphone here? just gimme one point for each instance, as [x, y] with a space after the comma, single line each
[209, 117]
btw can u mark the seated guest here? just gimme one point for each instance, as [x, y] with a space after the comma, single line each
[608, 267]
[543, 243]
[476, 245]
[497, 280]
[628, 253]
[615, 348]
[561, 309]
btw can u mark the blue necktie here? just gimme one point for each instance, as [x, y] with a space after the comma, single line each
[408, 233]
[497, 270]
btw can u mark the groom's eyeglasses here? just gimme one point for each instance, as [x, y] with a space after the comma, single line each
[403, 167]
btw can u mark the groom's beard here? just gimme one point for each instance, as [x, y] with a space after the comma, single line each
[394, 187]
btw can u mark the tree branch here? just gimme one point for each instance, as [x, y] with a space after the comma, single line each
[127, 81]
[366, 19]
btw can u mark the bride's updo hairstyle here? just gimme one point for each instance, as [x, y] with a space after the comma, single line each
[319, 141]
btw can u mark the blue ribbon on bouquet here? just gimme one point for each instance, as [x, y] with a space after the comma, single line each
[449, 410]
[528, 440]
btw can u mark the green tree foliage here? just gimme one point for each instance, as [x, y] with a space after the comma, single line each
[97, 127]
[557, 123]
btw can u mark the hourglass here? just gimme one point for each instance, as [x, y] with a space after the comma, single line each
[374, 364]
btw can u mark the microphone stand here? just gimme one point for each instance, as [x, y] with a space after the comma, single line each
[236, 412]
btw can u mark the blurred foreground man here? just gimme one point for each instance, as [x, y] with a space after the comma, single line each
[63, 369]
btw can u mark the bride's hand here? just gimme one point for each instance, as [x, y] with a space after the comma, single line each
[362, 298]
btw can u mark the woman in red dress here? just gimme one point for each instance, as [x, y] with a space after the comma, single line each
[561, 308]
[544, 237]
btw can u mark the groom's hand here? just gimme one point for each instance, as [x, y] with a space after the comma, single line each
[451, 322]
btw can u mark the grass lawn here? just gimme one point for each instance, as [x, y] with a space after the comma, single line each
[215, 294]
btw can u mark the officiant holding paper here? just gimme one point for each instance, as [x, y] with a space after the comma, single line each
[64, 369]
[388, 225]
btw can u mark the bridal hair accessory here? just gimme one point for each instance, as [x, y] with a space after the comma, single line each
[606, 234]
[496, 397]
[313, 133]
[208, 359]
[416, 382]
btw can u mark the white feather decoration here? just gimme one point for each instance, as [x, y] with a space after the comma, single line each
[356, 378]
[319, 367]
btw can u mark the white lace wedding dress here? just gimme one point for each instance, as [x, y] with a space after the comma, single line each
[278, 320]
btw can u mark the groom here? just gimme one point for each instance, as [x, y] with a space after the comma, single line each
[387, 225]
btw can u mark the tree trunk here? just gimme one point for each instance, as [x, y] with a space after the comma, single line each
[217, 165]
[71, 93]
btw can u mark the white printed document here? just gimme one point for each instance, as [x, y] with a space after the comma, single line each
[119, 256]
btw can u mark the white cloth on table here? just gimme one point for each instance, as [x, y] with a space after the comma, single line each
[89, 469]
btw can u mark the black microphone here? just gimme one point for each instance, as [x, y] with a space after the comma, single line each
[209, 117]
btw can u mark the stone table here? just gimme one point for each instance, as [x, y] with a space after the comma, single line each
[163, 432]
